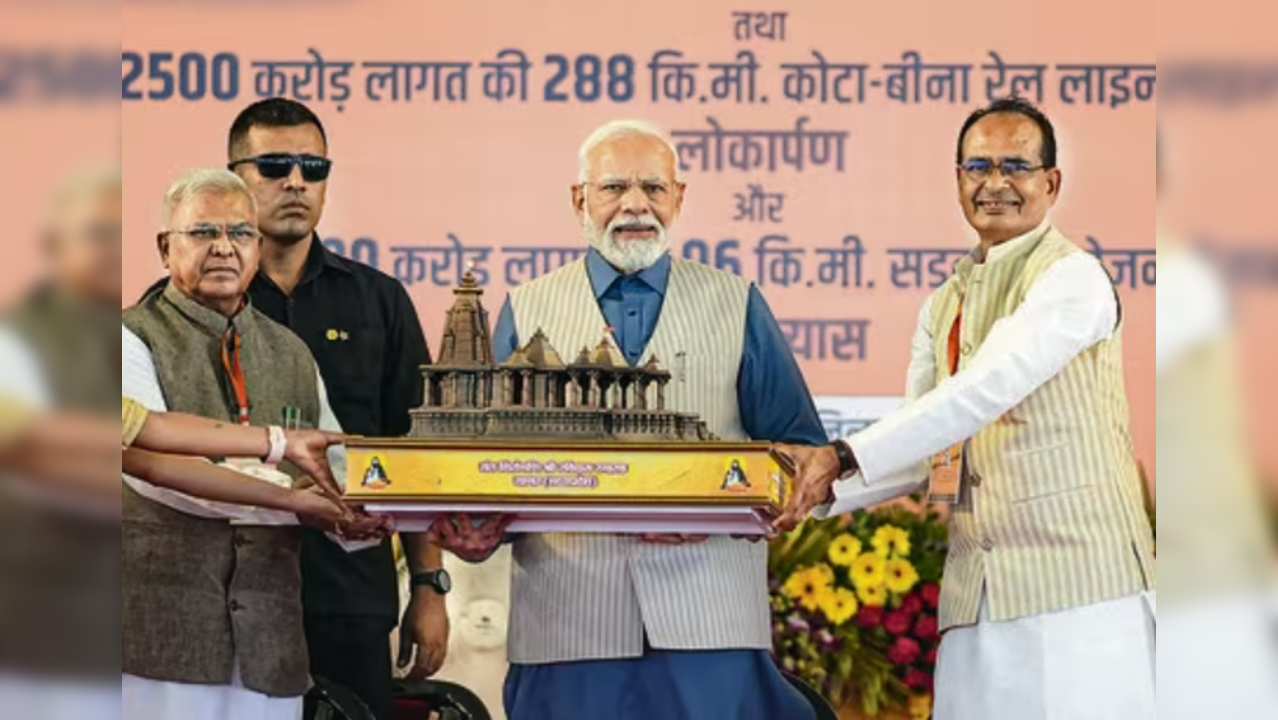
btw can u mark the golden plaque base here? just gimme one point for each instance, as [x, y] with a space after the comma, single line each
[555, 486]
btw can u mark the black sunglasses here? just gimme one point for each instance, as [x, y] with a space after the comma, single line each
[277, 166]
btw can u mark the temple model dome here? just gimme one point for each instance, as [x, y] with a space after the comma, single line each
[535, 394]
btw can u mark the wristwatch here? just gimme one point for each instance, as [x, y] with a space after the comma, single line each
[438, 580]
[847, 461]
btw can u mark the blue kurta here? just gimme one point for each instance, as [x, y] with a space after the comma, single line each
[708, 685]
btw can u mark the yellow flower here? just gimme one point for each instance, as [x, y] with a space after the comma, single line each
[824, 572]
[795, 584]
[901, 576]
[806, 587]
[873, 596]
[869, 570]
[839, 605]
[844, 550]
[824, 596]
[891, 541]
[920, 707]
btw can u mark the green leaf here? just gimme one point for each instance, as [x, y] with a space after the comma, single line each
[844, 665]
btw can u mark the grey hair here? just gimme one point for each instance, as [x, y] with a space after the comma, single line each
[89, 181]
[200, 181]
[618, 128]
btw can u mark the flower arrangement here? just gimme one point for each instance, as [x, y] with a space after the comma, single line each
[854, 603]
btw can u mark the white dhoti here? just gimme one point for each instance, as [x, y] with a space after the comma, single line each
[1091, 663]
[38, 699]
[1219, 659]
[157, 700]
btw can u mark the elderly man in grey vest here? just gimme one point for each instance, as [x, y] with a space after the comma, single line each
[633, 628]
[1017, 407]
[212, 615]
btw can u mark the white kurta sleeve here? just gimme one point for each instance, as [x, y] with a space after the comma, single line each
[854, 493]
[328, 422]
[1069, 309]
[1192, 309]
[22, 379]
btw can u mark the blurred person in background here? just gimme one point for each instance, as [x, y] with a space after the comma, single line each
[1017, 404]
[59, 570]
[234, 648]
[1217, 565]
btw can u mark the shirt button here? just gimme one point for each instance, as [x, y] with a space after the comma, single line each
[235, 606]
[242, 542]
[633, 313]
[987, 544]
[967, 348]
[976, 480]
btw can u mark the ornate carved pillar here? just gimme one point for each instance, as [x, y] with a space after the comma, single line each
[429, 383]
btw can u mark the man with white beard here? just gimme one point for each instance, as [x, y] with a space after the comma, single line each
[627, 627]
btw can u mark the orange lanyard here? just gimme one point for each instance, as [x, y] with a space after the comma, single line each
[956, 334]
[235, 372]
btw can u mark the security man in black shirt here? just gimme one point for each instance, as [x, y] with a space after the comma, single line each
[364, 332]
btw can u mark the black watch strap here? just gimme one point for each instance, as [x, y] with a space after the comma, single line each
[847, 461]
[438, 580]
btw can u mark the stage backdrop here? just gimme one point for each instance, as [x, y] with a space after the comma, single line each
[818, 142]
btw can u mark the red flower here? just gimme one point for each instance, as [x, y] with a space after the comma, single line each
[929, 658]
[870, 617]
[912, 605]
[918, 680]
[898, 622]
[932, 595]
[926, 628]
[904, 652]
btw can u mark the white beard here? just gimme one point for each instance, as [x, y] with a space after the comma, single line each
[633, 255]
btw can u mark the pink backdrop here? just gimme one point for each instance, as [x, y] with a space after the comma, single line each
[420, 176]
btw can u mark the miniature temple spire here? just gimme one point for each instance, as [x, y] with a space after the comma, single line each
[467, 342]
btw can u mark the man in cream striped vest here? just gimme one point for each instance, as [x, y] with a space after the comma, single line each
[1016, 379]
[633, 628]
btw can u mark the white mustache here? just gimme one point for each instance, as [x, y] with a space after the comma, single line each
[634, 224]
